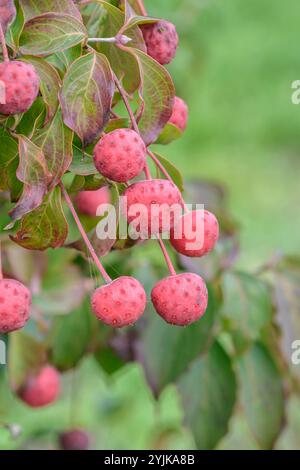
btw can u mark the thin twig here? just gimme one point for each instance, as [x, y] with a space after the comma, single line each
[84, 235]
[166, 256]
[127, 105]
[142, 7]
[3, 44]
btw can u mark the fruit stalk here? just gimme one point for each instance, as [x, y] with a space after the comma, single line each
[141, 7]
[84, 235]
[3, 44]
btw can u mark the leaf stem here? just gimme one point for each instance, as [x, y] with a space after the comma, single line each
[3, 44]
[119, 39]
[127, 105]
[142, 7]
[84, 235]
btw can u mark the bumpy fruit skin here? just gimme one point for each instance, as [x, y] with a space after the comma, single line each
[188, 225]
[74, 440]
[42, 389]
[120, 155]
[181, 299]
[180, 114]
[21, 87]
[149, 193]
[15, 303]
[120, 303]
[161, 39]
[87, 202]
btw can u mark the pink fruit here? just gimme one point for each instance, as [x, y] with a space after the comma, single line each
[180, 300]
[120, 155]
[87, 202]
[195, 234]
[180, 114]
[21, 87]
[42, 389]
[159, 200]
[161, 39]
[120, 303]
[75, 440]
[15, 302]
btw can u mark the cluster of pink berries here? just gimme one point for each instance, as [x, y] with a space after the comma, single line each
[120, 156]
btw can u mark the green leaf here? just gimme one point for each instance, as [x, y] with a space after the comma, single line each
[55, 140]
[122, 63]
[32, 8]
[86, 96]
[208, 391]
[157, 93]
[26, 355]
[70, 337]
[50, 83]
[247, 307]
[32, 119]
[50, 33]
[169, 134]
[168, 351]
[45, 227]
[63, 59]
[261, 395]
[8, 163]
[83, 163]
[33, 172]
[172, 170]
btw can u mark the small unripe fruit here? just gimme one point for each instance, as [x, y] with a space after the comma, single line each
[41, 389]
[152, 195]
[119, 303]
[195, 234]
[180, 114]
[161, 39]
[87, 202]
[15, 302]
[181, 299]
[74, 440]
[7, 12]
[120, 155]
[21, 87]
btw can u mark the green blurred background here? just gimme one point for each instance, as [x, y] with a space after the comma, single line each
[235, 65]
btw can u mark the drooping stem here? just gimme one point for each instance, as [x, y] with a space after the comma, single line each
[127, 105]
[84, 235]
[3, 44]
[1, 272]
[146, 169]
[159, 165]
[166, 256]
[141, 7]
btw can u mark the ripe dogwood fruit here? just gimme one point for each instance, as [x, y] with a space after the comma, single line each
[180, 114]
[87, 202]
[21, 87]
[119, 303]
[120, 155]
[155, 202]
[42, 388]
[15, 302]
[161, 39]
[198, 233]
[74, 440]
[181, 299]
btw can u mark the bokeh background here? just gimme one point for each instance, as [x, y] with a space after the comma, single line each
[235, 66]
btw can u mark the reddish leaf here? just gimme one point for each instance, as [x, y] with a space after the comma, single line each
[33, 172]
[86, 96]
[32, 8]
